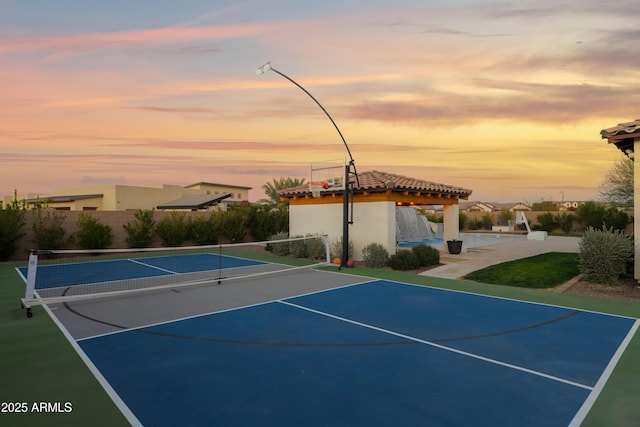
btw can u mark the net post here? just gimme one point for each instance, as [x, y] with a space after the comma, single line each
[29, 293]
[327, 248]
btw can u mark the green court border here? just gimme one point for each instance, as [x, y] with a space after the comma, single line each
[39, 365]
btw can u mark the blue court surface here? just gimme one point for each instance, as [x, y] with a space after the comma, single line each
[376, 353]
[91, 272]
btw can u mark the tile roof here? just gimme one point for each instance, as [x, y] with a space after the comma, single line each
[623, 129]
[376, 181]
[623, 135]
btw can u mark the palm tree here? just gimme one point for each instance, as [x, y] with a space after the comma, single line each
[271, 189]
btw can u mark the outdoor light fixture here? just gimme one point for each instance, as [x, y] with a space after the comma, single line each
[348, 185]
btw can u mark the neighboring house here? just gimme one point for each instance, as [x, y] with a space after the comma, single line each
[202, 195]
[493, 207]
[569, 206]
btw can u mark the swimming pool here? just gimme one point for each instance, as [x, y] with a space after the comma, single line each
[469, 240]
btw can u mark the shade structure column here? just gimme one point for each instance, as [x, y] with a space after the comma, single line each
[451, 223]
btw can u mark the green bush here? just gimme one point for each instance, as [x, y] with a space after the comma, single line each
[140, 231]
[235, 224]
[375, 255]
[316, 248]
[298, 248]
[206, 230]
[604, 255]
[566, 221]
[474, 224]
[264, 220]
[404, 260]
[591, 214]
[48, 232]
[12, 225]
[92, 234]
[426, 255]
[336, 249]
[279, 248]
[173, 230]
[547, 222]
[462, 220]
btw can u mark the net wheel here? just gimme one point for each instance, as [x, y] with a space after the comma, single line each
[29, 313]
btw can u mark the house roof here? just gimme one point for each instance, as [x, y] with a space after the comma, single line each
[217, 185]
[196, 201]
[623, 135]
[376, 181]
[495, 206]
[62, 199]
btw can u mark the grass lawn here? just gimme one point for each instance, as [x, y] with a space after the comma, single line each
[541, 271]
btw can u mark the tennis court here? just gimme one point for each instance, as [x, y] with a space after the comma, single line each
[317, 347]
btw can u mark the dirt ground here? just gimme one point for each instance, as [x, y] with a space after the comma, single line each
[627, 290]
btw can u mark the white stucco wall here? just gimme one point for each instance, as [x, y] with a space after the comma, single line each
[636, 210]
[374, 222]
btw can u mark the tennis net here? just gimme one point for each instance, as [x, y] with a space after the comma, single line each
[63, 275]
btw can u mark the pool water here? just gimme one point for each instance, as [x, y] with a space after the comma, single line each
[469, 240]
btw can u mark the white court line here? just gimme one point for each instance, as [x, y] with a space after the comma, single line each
[115, 397]
[586, 406]
[226, 310]
[442, 347]
[153, 266]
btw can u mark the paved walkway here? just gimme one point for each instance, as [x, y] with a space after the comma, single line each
[472, 259]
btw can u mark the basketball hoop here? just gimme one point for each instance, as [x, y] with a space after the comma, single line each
[317, 186]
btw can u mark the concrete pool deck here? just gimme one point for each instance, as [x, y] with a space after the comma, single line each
[476, 258]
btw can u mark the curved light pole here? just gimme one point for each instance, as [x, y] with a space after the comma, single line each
[347, 173]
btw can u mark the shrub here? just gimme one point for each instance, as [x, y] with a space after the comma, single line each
[279, 248]
[140, 231]
[298, 248]
[48, 232]
[11, 228]
[616, 219]
[92, 234]
[462, 220]
[426, 255]
[316, 248]
[173, 230]
[487, 221]
[474, 224]
[591, 214]
[566, 222]
[603, 255]
[235, 224]
[547, 222]
[264, 220]
[206, 230]
[403, 260]
[337, 249]
[375, 255]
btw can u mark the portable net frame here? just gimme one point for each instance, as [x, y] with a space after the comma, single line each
[65, 275]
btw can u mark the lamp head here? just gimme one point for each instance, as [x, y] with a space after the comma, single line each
[263, 69]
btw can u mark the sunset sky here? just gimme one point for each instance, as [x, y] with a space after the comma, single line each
[506, 98]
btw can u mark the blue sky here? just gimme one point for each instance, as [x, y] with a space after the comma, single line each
[505, 98]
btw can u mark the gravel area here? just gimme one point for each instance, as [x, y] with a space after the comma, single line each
[627, 290]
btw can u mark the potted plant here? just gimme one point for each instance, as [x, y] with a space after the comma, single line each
[454, 246]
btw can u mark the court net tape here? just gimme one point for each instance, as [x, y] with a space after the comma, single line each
[66, 275]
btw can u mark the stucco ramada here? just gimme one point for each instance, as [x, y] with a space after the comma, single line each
[375, 197]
